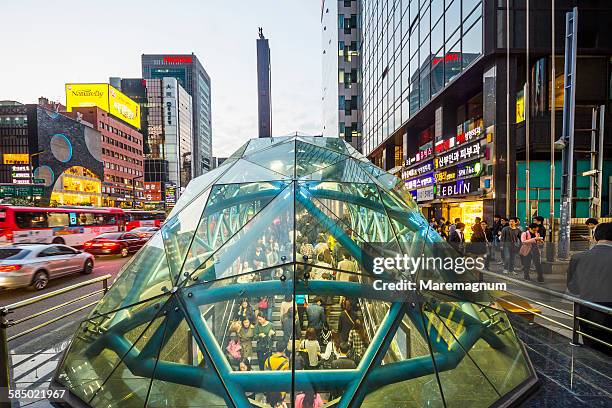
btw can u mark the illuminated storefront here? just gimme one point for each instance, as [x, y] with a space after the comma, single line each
[77, 186]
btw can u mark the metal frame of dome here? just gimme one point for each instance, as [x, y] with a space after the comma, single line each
[121, 351]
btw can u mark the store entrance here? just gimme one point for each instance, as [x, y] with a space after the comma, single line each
[466, 211]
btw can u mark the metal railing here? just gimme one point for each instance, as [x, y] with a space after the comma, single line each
[574, 315]
[6, 323]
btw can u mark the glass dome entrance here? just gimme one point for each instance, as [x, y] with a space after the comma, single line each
[259, 291]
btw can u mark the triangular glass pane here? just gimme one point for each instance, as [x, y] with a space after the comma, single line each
[346, 171]
[245, 171]
[269, 229]
[199, 387]
[177, 232]
[355, 154]
[504, 367]
[380, 177]
[129, 383]
[92, 355]
[311, 158]
[264, 143]
[464, 384]
[145, 276]
[332, 143]
[238, 153]
[280, 158]
[407, 347]
[229, 208]
[199, 184]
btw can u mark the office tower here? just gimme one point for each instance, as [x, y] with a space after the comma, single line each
[192, 76]
[264, 86]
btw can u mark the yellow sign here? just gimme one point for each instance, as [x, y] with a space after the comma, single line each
[104, 97]
[123, 107]
[86, 95]
[520, 106]
[15, 158]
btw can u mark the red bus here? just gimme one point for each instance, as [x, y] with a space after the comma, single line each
[62, 225]
[140, 218]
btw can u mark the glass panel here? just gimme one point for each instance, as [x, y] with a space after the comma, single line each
[347, 171]
[408, 345]
[129, 383]
[264, 143]
[472, 44]
[265, 240]
[310, 158]
[178, 231]
[280, 158]
[505, 368]
[91, 356]
[181, 351]
[198, 185]
[228, 210]
[145, 276]
[463, 385]
[245, 171]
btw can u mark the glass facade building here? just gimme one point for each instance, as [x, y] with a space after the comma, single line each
[176, 328]
[412, 49]
[192, 76]
[341, 93]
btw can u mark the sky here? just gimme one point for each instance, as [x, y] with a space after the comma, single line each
[47, 43]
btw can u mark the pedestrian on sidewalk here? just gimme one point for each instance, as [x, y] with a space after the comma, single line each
[590, 279]
[530, 251]
[511, 242]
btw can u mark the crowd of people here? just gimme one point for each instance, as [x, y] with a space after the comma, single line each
[503, 238]
[306, 339]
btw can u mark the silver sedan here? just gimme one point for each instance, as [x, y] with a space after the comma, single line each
[35, 264]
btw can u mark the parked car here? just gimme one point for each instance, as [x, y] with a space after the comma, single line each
[34, 264]
[145, 232]
[115, 243]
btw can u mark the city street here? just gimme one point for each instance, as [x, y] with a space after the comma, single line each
[103, 266]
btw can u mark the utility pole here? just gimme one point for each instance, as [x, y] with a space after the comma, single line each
[553, 119]
[567, 137]
[527, 109]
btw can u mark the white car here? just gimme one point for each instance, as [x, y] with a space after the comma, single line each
[34, 264]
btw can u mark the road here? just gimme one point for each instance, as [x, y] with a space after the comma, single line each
[63, 329]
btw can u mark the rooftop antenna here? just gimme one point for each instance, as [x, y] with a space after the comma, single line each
[261, 33]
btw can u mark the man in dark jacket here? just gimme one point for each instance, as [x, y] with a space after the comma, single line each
[590, 278]
[343, 362]
[457, 238]
[316, 315]
[511, 242]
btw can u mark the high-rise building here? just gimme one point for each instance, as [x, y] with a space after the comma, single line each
[192, 76]
[437, 109]
[342, 103]
[122, 153]
[177, 113]
[264, 86]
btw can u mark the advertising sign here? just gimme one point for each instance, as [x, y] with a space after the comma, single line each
[86, 95]
[458, 188]
[153, 191]
[170, 194]
[8, 191]
[422, 154]
[15, 158]
[469, 151]
[21, 174]
[104, 97]
[123, 107]
[420, 182]
[425, 194]
[426, 167]
[520, 106]
[465, 170]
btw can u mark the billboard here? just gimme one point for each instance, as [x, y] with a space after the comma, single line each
[104, 97]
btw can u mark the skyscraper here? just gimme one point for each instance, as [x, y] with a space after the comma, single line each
[192, 76]
[264, 86]
[342, 103]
